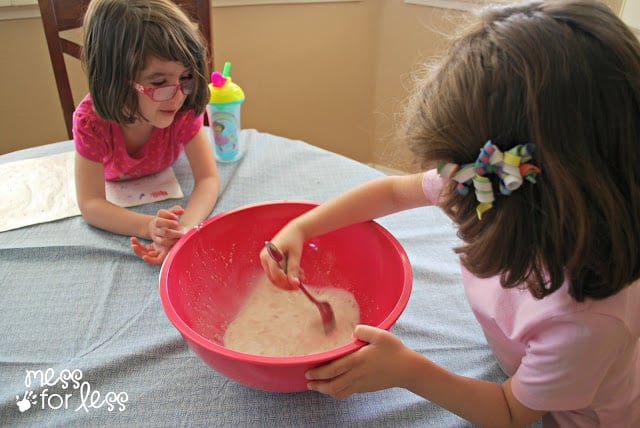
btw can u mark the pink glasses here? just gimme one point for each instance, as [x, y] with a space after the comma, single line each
[167, 92]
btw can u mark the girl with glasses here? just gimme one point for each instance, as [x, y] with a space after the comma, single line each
[533, 118]
[147, 66]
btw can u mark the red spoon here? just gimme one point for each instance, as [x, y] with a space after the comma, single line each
[326, 312]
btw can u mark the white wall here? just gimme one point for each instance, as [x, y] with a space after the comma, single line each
[631, 13]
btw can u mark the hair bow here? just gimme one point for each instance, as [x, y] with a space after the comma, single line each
[512, 167]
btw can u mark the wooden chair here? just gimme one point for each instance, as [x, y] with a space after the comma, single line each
[63, 15]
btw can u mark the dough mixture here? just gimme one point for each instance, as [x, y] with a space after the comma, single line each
[278, 323]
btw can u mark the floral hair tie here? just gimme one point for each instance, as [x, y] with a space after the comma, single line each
[512, 167]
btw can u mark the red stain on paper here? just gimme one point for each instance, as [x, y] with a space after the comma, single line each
[159, 193]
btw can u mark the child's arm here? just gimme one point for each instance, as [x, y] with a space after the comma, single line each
[376, 198]
[206, 181]
[200, 204]
[385, 363]
[99, 212]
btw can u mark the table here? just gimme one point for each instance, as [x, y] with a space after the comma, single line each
[85, 341]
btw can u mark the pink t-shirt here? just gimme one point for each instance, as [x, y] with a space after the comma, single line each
[102, 141]
[580, 361]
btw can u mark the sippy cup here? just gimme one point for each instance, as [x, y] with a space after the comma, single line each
[224, 115]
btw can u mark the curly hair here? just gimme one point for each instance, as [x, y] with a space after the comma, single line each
[564, 75]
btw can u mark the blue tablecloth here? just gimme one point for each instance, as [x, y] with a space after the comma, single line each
[83, 328]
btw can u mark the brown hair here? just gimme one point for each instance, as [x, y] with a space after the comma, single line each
[564, 75]
[120, 35]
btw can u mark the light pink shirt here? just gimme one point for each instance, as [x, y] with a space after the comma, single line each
[102, 141]
[580, 361]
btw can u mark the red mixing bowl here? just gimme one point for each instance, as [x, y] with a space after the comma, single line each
[207, 276]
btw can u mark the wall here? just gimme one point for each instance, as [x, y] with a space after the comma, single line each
[421, 36]
[307, 70]
[408, 36]
[30, 112]
[333, 74]
[630, 12]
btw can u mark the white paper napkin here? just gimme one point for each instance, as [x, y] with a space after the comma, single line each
[39, 190]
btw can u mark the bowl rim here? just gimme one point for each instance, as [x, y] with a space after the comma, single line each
[192, 336]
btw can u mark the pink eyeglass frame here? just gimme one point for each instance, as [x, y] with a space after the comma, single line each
[150, 91]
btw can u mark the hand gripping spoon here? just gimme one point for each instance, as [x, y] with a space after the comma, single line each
[326, 312]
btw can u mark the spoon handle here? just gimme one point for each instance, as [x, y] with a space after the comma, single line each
[276, 255]
[326, 312]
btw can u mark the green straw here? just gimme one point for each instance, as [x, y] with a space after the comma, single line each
[227, 68]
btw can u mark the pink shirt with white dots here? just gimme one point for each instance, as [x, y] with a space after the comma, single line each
[102, 141]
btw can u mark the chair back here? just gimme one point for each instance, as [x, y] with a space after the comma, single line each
[59, 16]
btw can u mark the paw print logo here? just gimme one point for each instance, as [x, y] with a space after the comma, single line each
[27, 400]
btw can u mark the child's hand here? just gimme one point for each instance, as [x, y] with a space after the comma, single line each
[291, 247]
[164, 228]
[150, 253]
[377, 365]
